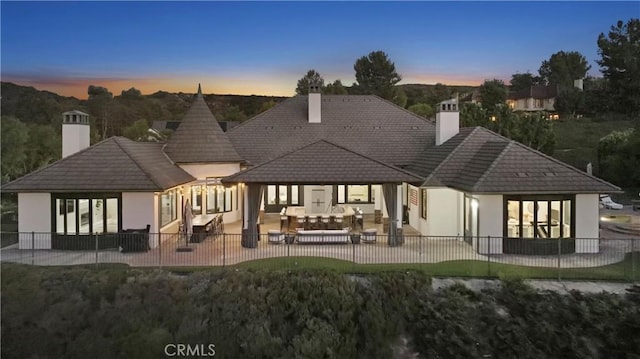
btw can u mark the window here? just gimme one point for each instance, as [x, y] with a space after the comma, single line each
[353, 194]
[168, 207]
[196, 199]
[539, 216]
[278, 196]
[423, 203]
[539, 103]
[86, 213]
[219, 198]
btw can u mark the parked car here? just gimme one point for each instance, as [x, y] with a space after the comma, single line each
[635, 203]
[608, 203]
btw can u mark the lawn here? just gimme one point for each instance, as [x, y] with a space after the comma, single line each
[628, 269]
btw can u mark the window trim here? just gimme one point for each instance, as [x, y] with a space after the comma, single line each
[73, 197]
[535, 199]
[423, 203]
[174, 215]
[336, 188]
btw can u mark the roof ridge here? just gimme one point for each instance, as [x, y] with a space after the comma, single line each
[335, 145]
[149, 176]
[372, 159]
[28, 175]
[450, 152]
[494, 163]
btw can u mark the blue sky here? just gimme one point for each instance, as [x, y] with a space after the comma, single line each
[265, 47]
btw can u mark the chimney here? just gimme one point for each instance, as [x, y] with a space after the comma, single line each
[579, 84]
[75, 132]
[315, 103]
[447, 120]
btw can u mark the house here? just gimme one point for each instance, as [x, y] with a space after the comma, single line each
[316, 152]
[535, 98]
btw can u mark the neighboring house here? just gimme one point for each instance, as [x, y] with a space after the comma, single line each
[535, 98]
[317, 151]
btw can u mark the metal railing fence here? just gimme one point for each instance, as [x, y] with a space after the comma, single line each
[566, 258]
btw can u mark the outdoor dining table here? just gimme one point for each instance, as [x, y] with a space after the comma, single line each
[202, 224]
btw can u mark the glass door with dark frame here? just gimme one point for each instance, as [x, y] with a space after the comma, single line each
[277, 197]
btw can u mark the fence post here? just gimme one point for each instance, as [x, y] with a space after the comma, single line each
[633, 260]
[224, 249]
[33, 247]
[95, 235]
[488, 256]
[353, 247]
[160, 250]
[559, 252]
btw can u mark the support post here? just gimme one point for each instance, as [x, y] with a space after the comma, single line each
[160, 248]
[33, 247]
[559, 251]
[488, 256]
[224, 249]
[95, 236]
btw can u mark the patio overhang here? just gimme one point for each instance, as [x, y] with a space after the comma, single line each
[323, 162]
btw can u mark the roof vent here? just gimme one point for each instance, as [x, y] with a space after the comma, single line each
[522, 174]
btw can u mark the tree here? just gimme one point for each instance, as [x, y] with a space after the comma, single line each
[520, 82]
[267, 105]
[138, 131]
[233, 113]
[44, 147]
[570, 101]
[399, 98]
[376, 75]
[312, 77]
[620, 63]
[422, 109]
[131, 93]
[100, 102]
[335, 88]
[15, 136]
[438, 93]
[533, 130]
[619, 157]
[493, 94]
[563, 68]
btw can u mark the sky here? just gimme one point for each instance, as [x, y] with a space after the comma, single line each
[263, 48]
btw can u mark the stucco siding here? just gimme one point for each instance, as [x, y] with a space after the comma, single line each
[490, 217]
[587, 223]
[202, 171]
[443, 212]
[34, 215]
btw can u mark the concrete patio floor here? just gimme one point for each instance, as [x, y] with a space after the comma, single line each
[226, 250]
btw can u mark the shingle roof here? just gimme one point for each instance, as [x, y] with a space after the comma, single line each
[115, 164]
[364, 124]
[481, 161]
[537, 92]
[323, 162]
[199, 138]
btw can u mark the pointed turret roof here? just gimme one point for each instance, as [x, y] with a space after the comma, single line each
[199, 138]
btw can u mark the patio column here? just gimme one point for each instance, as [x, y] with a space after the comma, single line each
[250, 234]
[390, 191]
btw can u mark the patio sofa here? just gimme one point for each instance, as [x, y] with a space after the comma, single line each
[323, 236]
